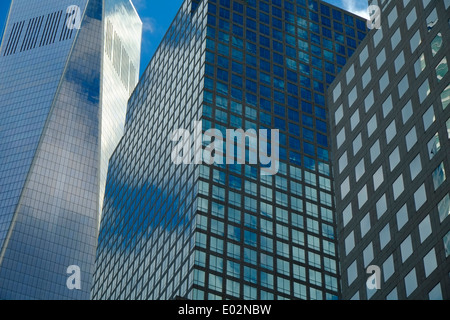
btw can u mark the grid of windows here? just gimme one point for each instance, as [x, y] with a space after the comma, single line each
[265, 65]
[402, 165]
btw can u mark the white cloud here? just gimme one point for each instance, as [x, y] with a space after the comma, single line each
[149, 25]
[357, 7]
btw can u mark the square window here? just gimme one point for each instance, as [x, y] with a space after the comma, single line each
[411, 139]
[388, 268]
[434, 146]
[378, 178]
[442, 69]
[425, 229]
[424, 91]
[347, 214]
[357, 144]
[432, 20]
[396, 38]
[366, 78]
[411, 282]
[362, 197]
[428, 118]
[368, 255]
[394, 159]
[343, 161]
[445, 97]
[430, 262]
[407, 112]
[345, 188]
[385, 236]
[406, 249]
[372, 125]
[363, 56]
[337, 92]
[436, 292]
[444, 208]
[415, 167]
[398, 187]
[352, 97]
[354, 121]
[420, 65]
[387, 106]
[399, 62]
[350, 74]
[339, 114]
[381, 206]
[391, 131]
[402, 217]
[369, 101]
[411, 18]
[439, 176]
[447, 244]
[436, 44]
[415, 41]
[352, 273]
[349, 243]
[403, 86]
[420, 197]
[384, 81]
[375, 151]
[392, 17]
[381, 59]
[365, 225]
[360, 169]
[340, 138]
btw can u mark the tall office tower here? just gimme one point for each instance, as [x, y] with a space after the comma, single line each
[68, 68]
[390, 115]
[228, 231]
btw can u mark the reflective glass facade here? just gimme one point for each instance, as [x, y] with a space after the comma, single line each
[391, 123]
[55, 110]
[226, 231]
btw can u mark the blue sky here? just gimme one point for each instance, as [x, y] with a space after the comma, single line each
[157, 16]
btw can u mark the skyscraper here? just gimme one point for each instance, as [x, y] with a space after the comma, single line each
[227, 231]
[390, 115]
[68, 68]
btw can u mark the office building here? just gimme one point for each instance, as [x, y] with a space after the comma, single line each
[68, 68]
[390, 116]
[229, 231]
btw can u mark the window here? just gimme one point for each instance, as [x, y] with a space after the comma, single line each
[362, 197]
[339, 114]
[406, 248]
[347, 215]
[349, 243]
[369, 101]
[415, 41]
[439, 176]
[434, 146]
[403, 86]
[442, 69]
[394, 159]
[352, 97]
[343, 161]
[360, 170]
[375, 151]
[396, 38]
[381, 59]
[425, 229]
[352, 273]
[444, 208]
[432, 20]
[407, 112]
[365, 225]
[354, 121]
[436, 44]
[398, 187]
[345, 188]
[399, 62]
[391, 131]
[430, 262]
[388, 268]
[447, 244]
[366, 78]
[411, 18]
[428, 118]
[341, 138]
[424, 91]
[402, 217]
[372, 125]
[378, 178]
[357, 144]
[420, 65]
[436, 292]
[415, 167]
[387, 106]
[384, 81]
[385, 236]
[381, 206]
[411, 282]
[411, 139]
[420, 197]
[350, 74]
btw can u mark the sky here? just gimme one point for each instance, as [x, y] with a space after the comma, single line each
[157, 16]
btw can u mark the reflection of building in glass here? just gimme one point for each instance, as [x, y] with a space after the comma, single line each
[226, 231]
[390, 116]
[63, 111]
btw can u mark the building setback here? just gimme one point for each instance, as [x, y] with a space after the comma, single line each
[227, 231]
[390, 116]
[67, 71]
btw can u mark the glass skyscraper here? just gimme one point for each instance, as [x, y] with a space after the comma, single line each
[390, 116]
[68, 68]
[227, 231]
